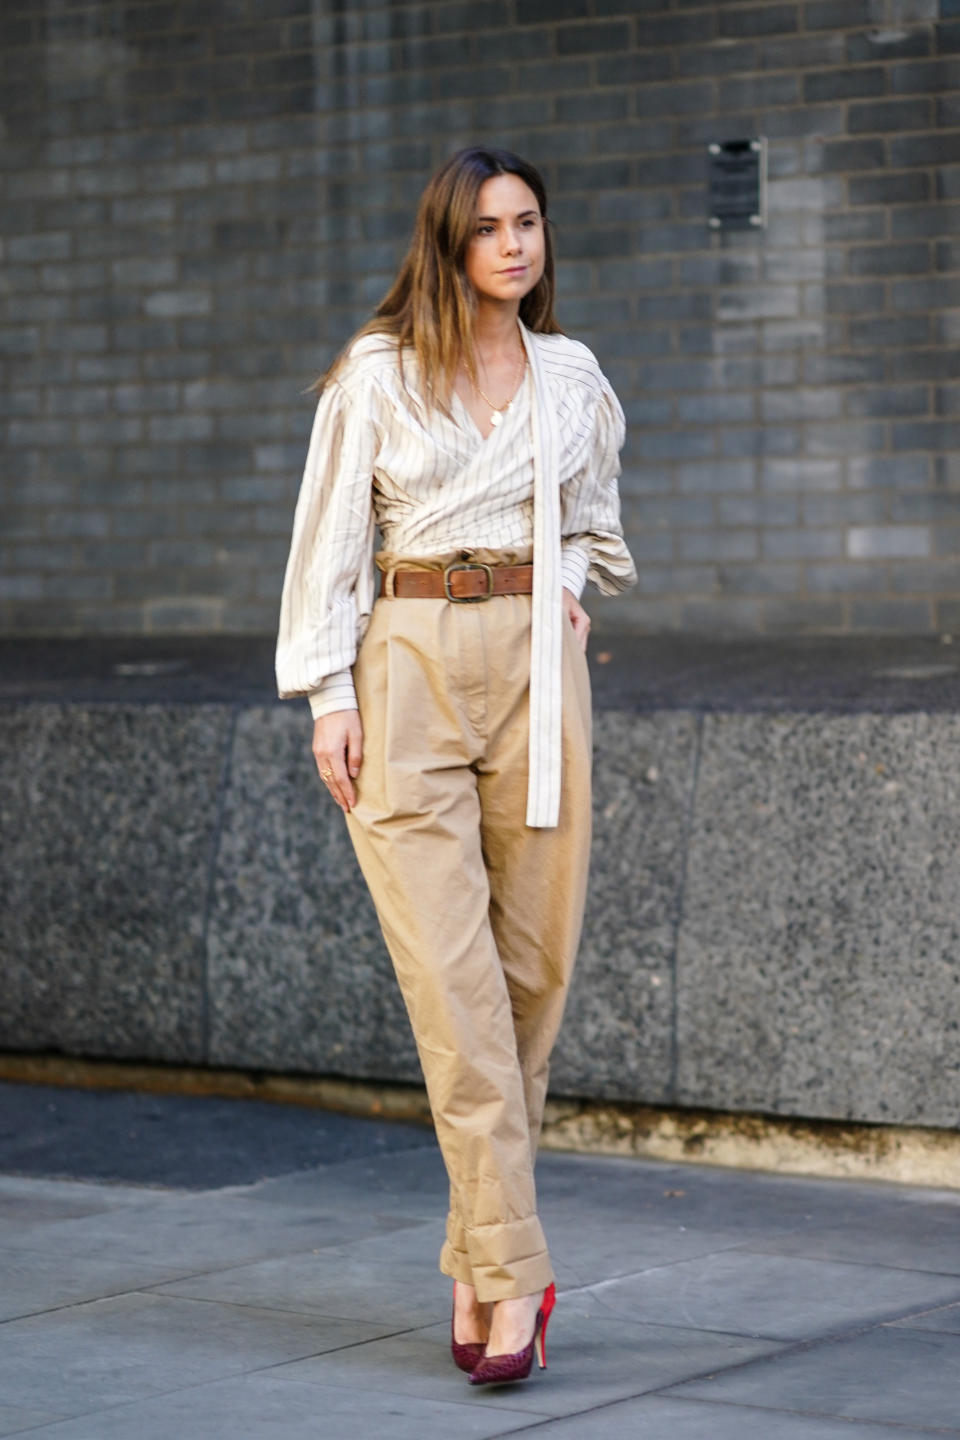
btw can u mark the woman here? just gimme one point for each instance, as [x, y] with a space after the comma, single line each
[452, 712]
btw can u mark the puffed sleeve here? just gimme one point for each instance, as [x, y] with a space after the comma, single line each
[328, 585]
[592, 540]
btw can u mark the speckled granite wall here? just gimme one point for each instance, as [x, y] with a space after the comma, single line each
[773, 923]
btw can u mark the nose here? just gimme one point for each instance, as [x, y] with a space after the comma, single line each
[511, 240]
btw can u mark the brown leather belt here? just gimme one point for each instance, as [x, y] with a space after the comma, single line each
[463, 581]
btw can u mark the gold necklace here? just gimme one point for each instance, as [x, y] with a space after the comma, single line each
[498, 411]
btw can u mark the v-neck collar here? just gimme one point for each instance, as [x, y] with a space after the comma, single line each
[508, 413]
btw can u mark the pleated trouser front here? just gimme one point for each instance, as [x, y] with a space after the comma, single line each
[481, 914]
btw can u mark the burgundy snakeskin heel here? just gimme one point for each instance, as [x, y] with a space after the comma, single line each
[500, 1369]
[465, 1357]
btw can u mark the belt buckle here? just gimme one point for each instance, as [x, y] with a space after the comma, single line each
[467, 565]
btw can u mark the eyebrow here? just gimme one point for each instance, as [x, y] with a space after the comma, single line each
[522, 215]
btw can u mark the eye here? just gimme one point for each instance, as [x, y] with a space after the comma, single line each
[484, 229]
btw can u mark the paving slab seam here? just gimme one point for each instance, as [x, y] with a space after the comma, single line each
[281, 1310]
[665, 1392]
[748, 1249]
[910, 1426]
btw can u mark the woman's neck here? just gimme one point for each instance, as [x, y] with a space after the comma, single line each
[495, 329]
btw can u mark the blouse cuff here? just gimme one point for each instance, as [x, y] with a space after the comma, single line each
[575, 562]
[335, 692]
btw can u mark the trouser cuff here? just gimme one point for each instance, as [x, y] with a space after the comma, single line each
[502, 1260]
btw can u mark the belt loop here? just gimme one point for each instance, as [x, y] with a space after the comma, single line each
[388, 582]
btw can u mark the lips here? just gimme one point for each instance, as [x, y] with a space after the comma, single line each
[515, 270]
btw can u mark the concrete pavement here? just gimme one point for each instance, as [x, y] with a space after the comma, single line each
[204, 1268]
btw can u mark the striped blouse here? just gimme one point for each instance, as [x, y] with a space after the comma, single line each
[432, 483]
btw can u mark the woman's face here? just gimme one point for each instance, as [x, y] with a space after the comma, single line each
[505, 257]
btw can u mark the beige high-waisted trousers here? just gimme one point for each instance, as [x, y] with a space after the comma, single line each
[481, 913]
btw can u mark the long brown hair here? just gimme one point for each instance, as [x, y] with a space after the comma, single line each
[431, 304]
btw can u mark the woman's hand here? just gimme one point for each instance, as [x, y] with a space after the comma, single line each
[338, 751]
[577, 616]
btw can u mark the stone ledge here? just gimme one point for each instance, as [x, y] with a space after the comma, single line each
[772, 922]
[905, 1154]
[884, 674]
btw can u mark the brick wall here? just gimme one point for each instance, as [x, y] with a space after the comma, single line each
[201, 199]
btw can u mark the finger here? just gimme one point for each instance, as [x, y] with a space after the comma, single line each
[354, 750]
[341, 786]
[332, 776]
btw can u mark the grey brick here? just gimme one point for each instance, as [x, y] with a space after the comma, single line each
[926, 294]
[762, 578]
[716, 477]
[846, 437]
[860, 508]
[718, 545]
[850, 298]
[854, 225]
[936, 506]
[760, 440]
[675, 444]
[926, 365]
[721, 616]
[800, 475]
[681, 97]
[845, 578]
[168, 303]
[758, 510]
[803, 52]
[939, 577]
[675, 31]
[889, 472]
[890, 115]
[180, 427]
[813, 193]
[935, 148]
[755, 302]
[21, 587]
[588, 39]
[109, 430]
[534, 12]
[144, 270]
[19, 340]
[889, 400]
[833, 369]
[753, 91]
[85, 523]
[801, 404]
[837, 14]
[680, 580]
[716, 408]
[860, 80]
[670, 510]
[897, 44]
[843, 155]
[768, 19]
[905, 187]
[889, 332]
[925, 77]
[912, 616]
[787, 266]
[55, 245]
[803, 120]
[802, 544]
[798, 616]
[926, 435]
[888, 542]
[638, 68]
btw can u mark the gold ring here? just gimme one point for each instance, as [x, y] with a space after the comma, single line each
[326, 774]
